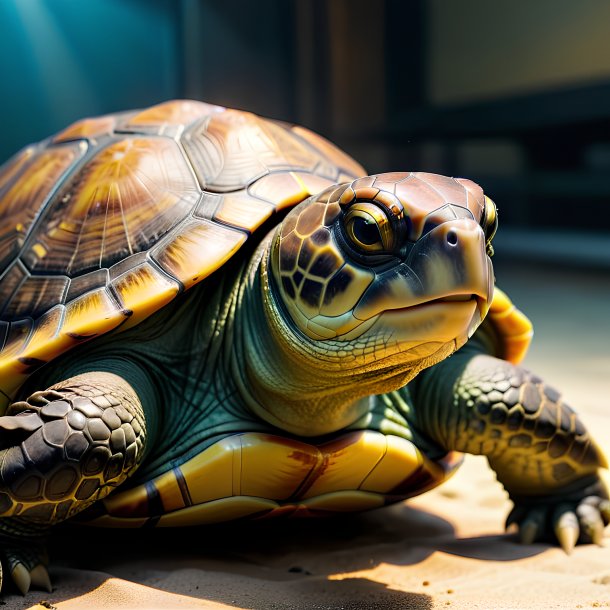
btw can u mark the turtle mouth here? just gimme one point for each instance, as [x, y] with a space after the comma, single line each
[454, 298]
[456, 313]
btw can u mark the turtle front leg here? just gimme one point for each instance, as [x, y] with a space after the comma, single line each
[537, 445]
[61, 450]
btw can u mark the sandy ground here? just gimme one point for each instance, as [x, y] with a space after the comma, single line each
[442, 550]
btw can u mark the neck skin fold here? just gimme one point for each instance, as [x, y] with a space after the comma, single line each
[295, 383]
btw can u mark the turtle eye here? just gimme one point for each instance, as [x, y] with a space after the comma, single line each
[489, 221]
[368, 228]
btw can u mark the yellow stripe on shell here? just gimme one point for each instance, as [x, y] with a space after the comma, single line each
[400, 460]
[143, 291]
[352, 459]
[84, 318]
[118, 522]
[92, 314]
[12, 371]
[292, 462]
[86, 128]
[281, 189]
[169, 492]
[126, 504]
[239, 465]
[45, 342]
[209, 475]
[197, 250]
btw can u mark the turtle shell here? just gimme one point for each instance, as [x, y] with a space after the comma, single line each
[107, 221]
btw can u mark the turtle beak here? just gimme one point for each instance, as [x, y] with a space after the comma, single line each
[439, 294]
[449, 263]
[452, 260]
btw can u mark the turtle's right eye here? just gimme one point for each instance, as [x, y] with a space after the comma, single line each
[368, 228]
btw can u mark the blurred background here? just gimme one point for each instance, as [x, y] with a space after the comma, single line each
[513, 94]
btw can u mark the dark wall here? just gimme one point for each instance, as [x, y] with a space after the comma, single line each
[61, 60]
[240, 54]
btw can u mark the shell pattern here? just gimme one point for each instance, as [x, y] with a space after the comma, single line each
[107, 221]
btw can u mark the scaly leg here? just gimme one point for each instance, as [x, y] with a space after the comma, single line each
[538, 446]
[61, 450]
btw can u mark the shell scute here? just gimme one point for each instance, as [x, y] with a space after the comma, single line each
[84, 283]
[25, 184]
[282, 189]
[118, 203]
[36, 294]
[243, 211]
[143, 290]
[197, 249]
[335, 156]
[232, 149]
[87, 129]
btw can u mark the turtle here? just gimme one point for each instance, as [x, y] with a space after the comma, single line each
[207, 316]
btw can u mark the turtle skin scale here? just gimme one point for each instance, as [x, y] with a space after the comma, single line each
[106, 228]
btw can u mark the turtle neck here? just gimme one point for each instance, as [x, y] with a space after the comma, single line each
[293, 382]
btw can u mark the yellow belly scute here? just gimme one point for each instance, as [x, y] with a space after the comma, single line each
[261, 475]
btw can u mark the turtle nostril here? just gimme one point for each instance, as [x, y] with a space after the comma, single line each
[452, 238]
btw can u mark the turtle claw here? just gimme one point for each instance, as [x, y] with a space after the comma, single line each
[26, 579]
[532, 525]
[21, 577]
[528, 532]
[591, 521]
[568, 520]
[566, 530]
[41, 579]
[515, 516]
[25, 562]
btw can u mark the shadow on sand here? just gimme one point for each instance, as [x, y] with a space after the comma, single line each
[300, 560]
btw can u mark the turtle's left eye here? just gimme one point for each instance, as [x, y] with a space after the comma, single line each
[489, 221]
[368, 228]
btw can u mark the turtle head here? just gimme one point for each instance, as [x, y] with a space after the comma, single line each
[393, 267]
